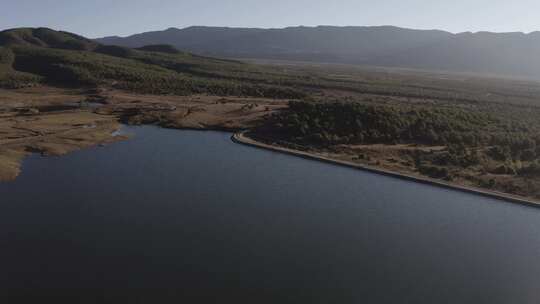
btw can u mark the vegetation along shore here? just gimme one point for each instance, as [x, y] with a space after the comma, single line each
[245, 139]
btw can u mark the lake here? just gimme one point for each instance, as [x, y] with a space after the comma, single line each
[188, 215]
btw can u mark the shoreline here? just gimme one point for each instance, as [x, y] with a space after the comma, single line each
[241, 138]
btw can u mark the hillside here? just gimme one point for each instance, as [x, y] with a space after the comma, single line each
[510, 54]
[44, 37]
[30, 57]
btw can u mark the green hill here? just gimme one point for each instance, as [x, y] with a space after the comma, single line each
[45, 37]
[31, 57]
[9, 77]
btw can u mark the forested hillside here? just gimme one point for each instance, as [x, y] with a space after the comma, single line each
[30, 57]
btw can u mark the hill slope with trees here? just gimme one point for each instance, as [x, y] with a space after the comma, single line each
[30, 57]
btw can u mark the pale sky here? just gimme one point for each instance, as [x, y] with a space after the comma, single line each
[97, 18]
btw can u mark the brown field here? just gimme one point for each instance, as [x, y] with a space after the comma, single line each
[33, 120]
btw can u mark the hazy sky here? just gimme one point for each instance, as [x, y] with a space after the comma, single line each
[95, 18]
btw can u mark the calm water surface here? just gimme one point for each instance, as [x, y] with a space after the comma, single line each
[186, 215]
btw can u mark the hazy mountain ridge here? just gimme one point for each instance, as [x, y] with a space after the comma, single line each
[515, 54]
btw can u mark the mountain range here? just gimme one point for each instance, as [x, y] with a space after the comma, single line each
[509, 54]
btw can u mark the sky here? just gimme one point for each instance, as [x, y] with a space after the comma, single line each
[98, 18]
